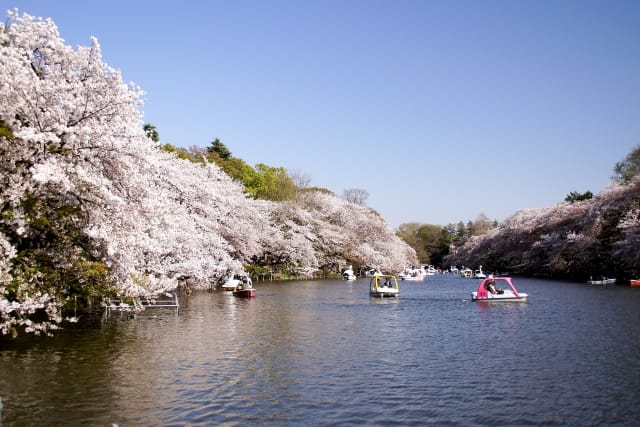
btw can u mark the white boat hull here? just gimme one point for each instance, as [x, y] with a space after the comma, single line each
[349, 274]
[416, 274]
[507, 296]
[413, 278]
[231, 285]
[385, 294]
[237, 280]
[384, 286]
[602, 282]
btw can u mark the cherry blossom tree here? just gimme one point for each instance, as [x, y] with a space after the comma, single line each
[350, 233]
[76, 136]
[92, 206]
[574, 239]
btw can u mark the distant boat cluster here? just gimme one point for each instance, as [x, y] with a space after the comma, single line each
[499, 288]
[417, 274]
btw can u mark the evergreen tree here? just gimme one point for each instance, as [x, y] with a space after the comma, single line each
[219, 148]
[574, 196]
[151, 131]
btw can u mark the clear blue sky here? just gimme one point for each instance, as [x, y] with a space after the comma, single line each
[441, 110]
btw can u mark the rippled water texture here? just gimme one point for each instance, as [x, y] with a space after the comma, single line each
[325, 353]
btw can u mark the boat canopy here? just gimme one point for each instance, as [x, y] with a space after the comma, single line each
[483, 292]
[384, 285]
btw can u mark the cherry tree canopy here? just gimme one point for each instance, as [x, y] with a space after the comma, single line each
[576, 240]
[91, 206]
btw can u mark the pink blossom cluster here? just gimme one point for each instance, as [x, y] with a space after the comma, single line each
[155, 220]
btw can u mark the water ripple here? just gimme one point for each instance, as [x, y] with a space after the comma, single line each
[325, 354]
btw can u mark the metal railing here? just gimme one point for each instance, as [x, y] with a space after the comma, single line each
[140, 304]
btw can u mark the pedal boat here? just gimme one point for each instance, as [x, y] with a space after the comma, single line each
[507, 293]
[384, 286]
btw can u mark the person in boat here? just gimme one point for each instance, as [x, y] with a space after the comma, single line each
[245, 283]
[490, 286]
[387, 282]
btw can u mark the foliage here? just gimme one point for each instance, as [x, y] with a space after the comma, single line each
[5, 131]
[220, 149]
[433, 243]
[598, 236]
[278, 186]
[318, 189]
[92, 205]
[151, 132]
[595, 237]
[436, 241]
[574, 196]
[262, 182]
[627, 169]
[410, 233]
[481, 225]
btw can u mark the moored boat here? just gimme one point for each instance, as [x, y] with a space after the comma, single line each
[479, 274]
[415, 274]
[240, 285]
[602, 281]
[348, 274]
[235, 280]
[384, 286]
[488, 292]
[373, 272]
[635, 282]
[245, 292]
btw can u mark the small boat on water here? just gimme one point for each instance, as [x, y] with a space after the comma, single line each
[466, 273]
[245, 289]
[348, 274]
[415, 274]
[602, 281]
[245, 292]
[635, 282]
[373, 272]
[240, 285]
[489, 292]
[384, 286]
[479, 274]
[235, 280]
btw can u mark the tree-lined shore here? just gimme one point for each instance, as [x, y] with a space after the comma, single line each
[585, 236]
[92, 206]
[574, 240]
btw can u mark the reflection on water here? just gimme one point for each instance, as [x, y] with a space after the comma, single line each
[325, 353]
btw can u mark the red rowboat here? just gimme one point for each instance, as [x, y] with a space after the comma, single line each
[245, 293]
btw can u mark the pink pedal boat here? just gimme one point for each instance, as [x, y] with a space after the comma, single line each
[489, 291]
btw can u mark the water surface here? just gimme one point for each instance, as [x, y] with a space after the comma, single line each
[325, 353]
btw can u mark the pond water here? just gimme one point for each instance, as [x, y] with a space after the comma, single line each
[325, 353]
